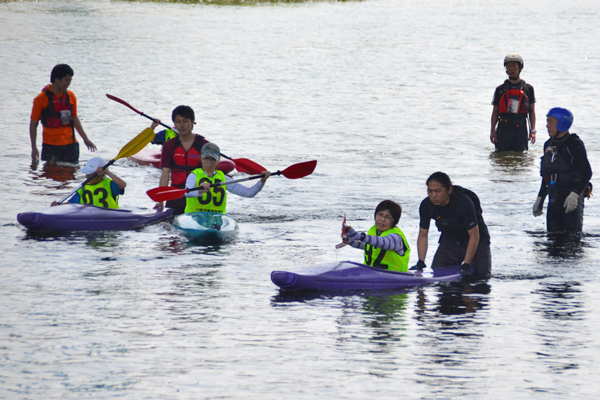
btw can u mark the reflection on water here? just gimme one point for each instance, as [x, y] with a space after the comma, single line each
[383, 315]
[456, 298]
[302, 296]
[513, 163]
[563, 313]
[562, 246]
[561, 301]
[59, 172]
[97, 240]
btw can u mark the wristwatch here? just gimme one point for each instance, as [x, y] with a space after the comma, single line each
[533, 131]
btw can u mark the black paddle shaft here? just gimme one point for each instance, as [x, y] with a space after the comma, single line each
[169, 127]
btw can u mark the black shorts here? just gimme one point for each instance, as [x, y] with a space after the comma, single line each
[65, 153]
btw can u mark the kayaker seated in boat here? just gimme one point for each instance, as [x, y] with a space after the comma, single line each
[457, 213]
[180, 154]
[103, 190]
[384, 244]
[215, 199]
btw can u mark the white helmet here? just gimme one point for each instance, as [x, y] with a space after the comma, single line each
[514, 57]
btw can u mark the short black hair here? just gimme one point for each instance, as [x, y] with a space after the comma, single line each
[441, 178]
[60, 71]
[393, 207]
[185, 112]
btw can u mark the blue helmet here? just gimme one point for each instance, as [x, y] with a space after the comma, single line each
[564, 117]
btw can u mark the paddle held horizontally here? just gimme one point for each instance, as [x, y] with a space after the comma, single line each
[296, 171]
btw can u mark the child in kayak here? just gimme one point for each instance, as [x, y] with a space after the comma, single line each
[103, 190]
[384, 244]
[215, 199]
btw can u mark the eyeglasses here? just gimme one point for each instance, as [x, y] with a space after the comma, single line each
[384, 216]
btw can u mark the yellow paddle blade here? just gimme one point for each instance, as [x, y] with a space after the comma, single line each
[136, 144]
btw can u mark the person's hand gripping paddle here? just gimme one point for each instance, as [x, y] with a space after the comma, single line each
[131, 148]
[296, 171]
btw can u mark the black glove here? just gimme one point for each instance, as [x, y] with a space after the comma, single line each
[419, 267]
[465, 269]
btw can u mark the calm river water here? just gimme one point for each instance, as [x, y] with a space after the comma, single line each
[382, 94]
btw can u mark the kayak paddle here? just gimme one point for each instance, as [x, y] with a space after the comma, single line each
[131, 148]
[344, 236]
[241, 164]
[296, 171]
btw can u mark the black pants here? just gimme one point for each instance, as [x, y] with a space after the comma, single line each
[512, 134]
[178, 205]
[453, 253]
[66, 153]
[556, 218]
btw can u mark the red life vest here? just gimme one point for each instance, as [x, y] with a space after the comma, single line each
[51, 115]
[514, 100]
[186, 161]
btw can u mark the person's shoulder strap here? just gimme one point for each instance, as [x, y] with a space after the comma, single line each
[470, 194]
[199, 141]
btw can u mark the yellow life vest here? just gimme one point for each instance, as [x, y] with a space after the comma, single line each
[169, 134]
[387, 259]
[214, 201]
[99, 195]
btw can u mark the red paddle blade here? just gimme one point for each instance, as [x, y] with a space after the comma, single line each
[165, 193]
[118, 100]
[299, 170]
[248, 166]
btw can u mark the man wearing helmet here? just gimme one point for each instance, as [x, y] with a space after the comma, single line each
[566, 174]
[513, 102]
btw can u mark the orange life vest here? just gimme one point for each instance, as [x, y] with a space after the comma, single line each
[514, 100]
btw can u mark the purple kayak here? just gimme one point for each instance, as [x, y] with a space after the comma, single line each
[81, 217]
[347, 275]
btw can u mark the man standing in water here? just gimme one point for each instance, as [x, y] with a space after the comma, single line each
[513, 102]
[56, 107]
[566, 174]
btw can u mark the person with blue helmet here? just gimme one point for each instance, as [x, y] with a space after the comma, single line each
[566, 174]
[513, 104]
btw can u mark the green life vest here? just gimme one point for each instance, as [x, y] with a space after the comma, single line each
[387, 259]
[169, 134]
[99, 195]
[214, 201]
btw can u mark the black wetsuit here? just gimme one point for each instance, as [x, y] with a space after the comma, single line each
[568, 167]
[454, 220]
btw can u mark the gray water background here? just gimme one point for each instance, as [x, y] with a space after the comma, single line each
[381, 93]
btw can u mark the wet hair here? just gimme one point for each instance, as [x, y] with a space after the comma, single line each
[393, 207]
[440, 178]
[185, 112]
[60, 71]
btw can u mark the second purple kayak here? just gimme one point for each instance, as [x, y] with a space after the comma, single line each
[347, 275]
